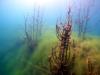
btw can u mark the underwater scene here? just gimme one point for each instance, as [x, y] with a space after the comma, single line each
[49, 37]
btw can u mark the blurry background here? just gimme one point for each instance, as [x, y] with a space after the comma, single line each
[12, 19]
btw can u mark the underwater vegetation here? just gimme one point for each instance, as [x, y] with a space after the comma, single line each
[54, 51]
[33, 29]
[62, 59]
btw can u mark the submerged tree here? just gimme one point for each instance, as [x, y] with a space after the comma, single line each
[62, 59]
[33, 29]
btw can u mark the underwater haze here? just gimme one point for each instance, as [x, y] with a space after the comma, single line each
[28, 32]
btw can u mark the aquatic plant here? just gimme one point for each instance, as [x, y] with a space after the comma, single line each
[62, 59]
[83, 19]
[92, 69]
[33, 29]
